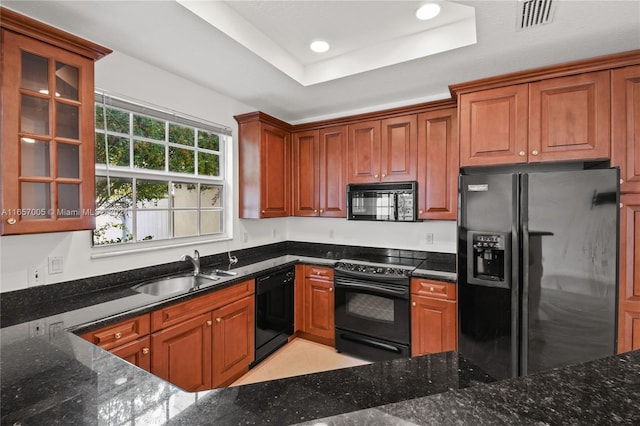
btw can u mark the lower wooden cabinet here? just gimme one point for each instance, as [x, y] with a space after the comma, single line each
[433, 317]
[315, 297]
[629, 308]
[137, 353]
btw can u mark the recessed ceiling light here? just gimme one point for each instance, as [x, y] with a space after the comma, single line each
[319, 46]
[428, 11]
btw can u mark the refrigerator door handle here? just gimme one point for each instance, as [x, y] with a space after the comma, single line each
[524, 305]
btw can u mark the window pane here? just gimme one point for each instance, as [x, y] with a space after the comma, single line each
[35, 200]
[68, 200]
[210, 222]
[148, 127]
[181, 160]
[114, 196]
[112, 228]
[117, 121]
[68, 161]
[185, 223]
[181, 135]
[34, 116]
[99, 114]
[210, 196]
[67, 121]
[101, 153]
[148, 155]
[208, 164]
[184, 195]
[152, 225]
[208, 140]
[35, 73]
[152, 194]
[34, 157]
[118, 150]
[66, 81]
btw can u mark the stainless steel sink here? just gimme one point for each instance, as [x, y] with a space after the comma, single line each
[170, 285]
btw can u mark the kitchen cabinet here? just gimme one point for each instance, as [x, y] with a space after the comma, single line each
[128, 339]
[264, 147]
[319, 167]
[47, 128]
[555, 119]
[383, 150]
[433, 317]
[318, 319]
[629, 280]
[438, 164]
[625, 126]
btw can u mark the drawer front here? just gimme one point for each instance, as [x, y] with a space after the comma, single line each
[179, 312]
[431, 288]
[320, 272]
[120, 333]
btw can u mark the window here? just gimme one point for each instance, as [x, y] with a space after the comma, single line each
[159, 175]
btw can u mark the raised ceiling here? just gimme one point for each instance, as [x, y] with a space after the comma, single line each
[371, 34]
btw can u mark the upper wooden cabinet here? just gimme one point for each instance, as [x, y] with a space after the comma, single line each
[625, 126]
[383, 150]
[48, 181]
[438, 164]
[264, 166]
[319, 172]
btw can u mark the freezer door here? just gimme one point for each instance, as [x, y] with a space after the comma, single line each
[570, 240]
[487, 298]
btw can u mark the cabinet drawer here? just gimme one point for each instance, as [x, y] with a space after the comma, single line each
[321, 272]
[137, 352]
[179, 312]
[120, 333]
[431, 288]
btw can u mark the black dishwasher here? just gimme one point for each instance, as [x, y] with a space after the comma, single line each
[274, 311]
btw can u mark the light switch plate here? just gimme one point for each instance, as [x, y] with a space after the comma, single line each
[56, 265]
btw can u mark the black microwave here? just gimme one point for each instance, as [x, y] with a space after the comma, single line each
[393, 201]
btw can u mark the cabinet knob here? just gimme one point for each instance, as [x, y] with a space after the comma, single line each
[431, 289]
[321, 211]
[621, 205]
[521, 153]
[262, 212]
[117, 335]
[534, 152]
[414, 304]
[375, 176]
[145, 351]
[421, 211]
[384, 175]
[330, 288]
[315, 210]
[11, 221]
[209, 322]
[218, 320]
[621, 181]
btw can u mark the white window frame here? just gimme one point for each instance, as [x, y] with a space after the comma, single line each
[134, 107]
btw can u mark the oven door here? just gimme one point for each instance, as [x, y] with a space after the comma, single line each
[371, 308]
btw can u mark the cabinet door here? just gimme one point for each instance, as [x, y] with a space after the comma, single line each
[438, 165]
[363, 153]
[306, 173]
[629, 291]
[625, 126]
[433, 325]
[47, 138]
[399, 149]
[333, 171]
[275, 187]
[493, 126]
[182, 354]
[319, 308]
[569, 118]
[136, 352]
[233, 340]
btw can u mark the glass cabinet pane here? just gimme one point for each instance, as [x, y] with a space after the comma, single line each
[35, 73]
[67, 121]
[68, 200]
[66, 81]
[34, 157]
[34, 117]
[35, 200]
[68, 161]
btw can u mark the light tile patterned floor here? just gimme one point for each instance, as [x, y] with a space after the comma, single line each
[297, 357]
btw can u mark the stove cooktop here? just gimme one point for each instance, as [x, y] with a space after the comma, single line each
[389, 266]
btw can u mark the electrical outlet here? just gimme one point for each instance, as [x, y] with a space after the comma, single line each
[35, 275]
[274, 232]
[56, 330]
[330, 233]
[245, 237]
[429, 239]
[37, 328]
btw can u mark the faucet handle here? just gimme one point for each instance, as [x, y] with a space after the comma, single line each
[196, 254]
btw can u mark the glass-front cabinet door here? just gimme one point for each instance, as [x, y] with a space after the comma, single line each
[47, 137]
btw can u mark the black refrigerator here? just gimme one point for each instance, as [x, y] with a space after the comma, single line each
[537, 268]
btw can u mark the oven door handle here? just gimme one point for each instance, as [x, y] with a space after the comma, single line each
[377, 287]
[372, 343]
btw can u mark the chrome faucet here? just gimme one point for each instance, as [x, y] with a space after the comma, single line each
[195, 260]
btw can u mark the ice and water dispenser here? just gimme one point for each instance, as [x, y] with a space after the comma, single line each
[488, 259]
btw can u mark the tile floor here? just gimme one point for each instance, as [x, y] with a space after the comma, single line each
[297, 357]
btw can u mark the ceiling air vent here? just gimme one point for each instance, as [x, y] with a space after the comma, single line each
[533, 13]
